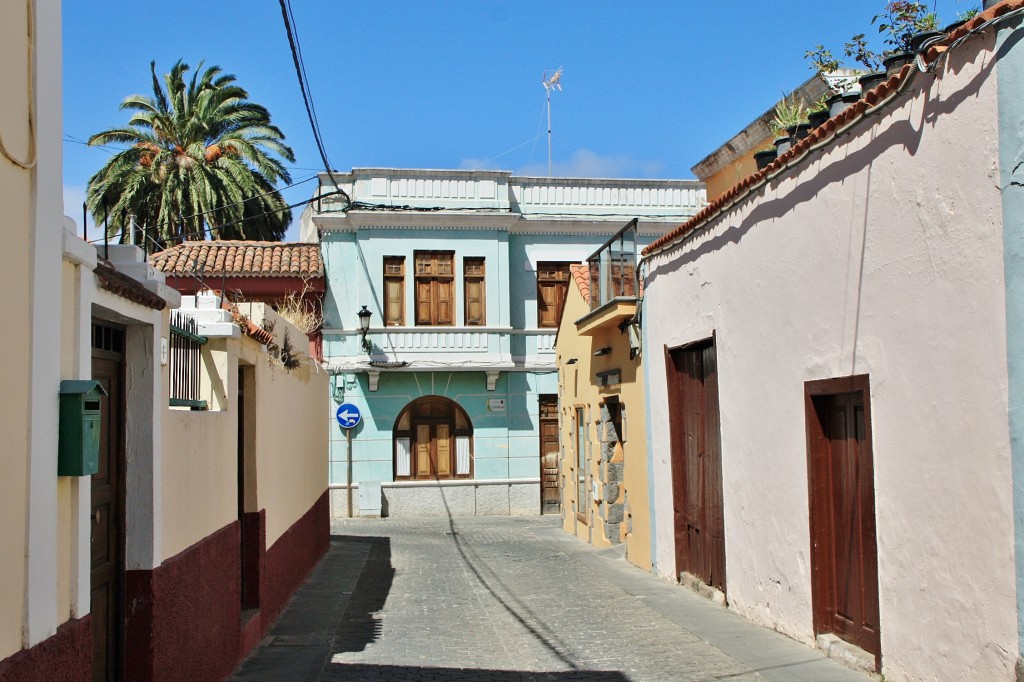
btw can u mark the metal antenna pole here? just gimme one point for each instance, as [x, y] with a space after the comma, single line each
[549, 130]
[549, 84]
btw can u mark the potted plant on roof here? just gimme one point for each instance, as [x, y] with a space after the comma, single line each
[789, 123]
[819, 112]
[841, 94]
[906, 26]
[962, 19]
[764, 156]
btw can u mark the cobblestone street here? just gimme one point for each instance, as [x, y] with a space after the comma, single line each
[508, 599]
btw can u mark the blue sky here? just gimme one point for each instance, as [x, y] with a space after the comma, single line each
[649, 88]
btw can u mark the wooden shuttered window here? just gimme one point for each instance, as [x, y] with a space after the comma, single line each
[394, 291]
[435, 288]
[475, 291]
[552, 283]
[433, 441]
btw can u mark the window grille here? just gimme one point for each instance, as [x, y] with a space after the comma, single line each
[184, 361]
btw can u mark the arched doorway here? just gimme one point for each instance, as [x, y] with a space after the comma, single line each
[433, 440]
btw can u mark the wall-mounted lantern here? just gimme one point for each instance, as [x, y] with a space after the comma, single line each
[364, 327]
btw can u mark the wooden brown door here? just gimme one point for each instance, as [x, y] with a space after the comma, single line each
[697, 463]
[549, 498]
[107, 537]
[842, 501]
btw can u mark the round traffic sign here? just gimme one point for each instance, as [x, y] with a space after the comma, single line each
[348, 415]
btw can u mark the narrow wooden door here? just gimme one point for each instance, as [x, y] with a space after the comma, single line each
[844, 552]
[107, 536]
[549, 498]
[696, 463]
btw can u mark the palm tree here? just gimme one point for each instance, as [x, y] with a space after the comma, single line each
[201, 159]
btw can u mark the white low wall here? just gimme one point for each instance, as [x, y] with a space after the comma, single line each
[503, 497]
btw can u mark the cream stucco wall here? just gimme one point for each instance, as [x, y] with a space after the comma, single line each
[291, 439]
[200, 467]
[576, 387]
[880, 256]
[30, 195]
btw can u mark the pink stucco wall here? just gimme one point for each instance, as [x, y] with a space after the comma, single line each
[880, 255]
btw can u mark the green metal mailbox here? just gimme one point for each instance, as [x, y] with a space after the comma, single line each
[78, 439]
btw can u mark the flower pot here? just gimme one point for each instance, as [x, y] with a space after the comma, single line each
[816, 118]
[870, 81]
[840, 101]
[919, 40]
[894, 62]
[954, 26]
[764, 157]
[798, 132]
[782, 145]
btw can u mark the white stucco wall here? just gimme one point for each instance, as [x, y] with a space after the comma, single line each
[880, 256]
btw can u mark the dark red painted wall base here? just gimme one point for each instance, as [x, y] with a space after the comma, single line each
[291, 559]
[65, 657]
[184, 619]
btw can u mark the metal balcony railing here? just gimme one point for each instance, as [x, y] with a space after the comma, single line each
[613, 268]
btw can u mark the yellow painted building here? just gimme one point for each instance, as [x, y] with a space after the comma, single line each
[602, 434]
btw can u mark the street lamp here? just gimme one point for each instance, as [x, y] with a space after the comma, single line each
[364, 327]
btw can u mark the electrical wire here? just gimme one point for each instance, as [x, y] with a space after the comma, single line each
[293, 44]
[29, 62]
[209, 230]
[239, 203]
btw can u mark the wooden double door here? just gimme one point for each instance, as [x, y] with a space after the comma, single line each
[432, 449]
[844, 554]
[108, 508]
[696, 457]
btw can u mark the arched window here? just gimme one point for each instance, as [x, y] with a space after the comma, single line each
[433, 440]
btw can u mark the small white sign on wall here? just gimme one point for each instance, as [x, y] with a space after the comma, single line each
[496, 405]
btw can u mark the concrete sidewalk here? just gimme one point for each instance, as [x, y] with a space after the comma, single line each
[509, 599]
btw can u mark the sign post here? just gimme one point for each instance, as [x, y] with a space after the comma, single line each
[348, 417]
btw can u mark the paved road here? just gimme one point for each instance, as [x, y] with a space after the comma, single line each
[508, 599]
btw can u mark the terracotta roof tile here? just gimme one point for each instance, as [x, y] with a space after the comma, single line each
[827, 129]
[124, 286]
[581, 275]
[241, 259]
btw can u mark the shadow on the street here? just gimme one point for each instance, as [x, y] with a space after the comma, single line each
[359, 626]
[345, 671]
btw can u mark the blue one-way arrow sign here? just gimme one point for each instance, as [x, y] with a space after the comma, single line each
[348, 415]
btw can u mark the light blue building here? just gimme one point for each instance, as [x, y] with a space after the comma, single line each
[464, 274]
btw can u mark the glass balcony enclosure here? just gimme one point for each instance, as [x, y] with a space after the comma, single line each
[613, 268]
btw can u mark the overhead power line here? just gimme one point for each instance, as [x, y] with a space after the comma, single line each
[300, 72]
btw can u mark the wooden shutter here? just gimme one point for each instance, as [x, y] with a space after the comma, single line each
[435, 288]
[552, 283]
[394, 291]
[444, 451]
[443, 305]
[424, 302]
[422, 450]
[473, 272]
